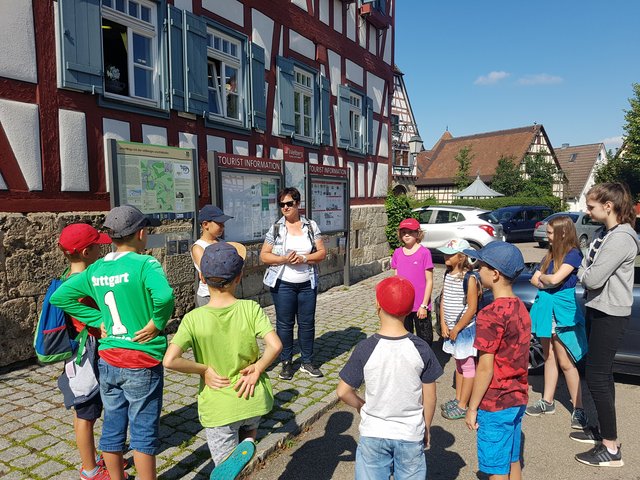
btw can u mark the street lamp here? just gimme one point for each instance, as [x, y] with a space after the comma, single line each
[415, 147]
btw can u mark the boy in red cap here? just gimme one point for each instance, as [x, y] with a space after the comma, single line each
[80, 244]
[399, 370]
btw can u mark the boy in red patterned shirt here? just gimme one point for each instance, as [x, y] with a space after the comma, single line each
[500, 391]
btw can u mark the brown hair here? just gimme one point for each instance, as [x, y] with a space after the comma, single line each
[564, 240]
[420, 235]
[620, 197]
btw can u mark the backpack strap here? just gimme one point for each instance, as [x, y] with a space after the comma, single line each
[81, 338]
[465, 284]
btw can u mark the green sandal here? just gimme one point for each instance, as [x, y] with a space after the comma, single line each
[231, 466]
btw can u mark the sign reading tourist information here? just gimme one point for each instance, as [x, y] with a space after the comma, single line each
[160, 181]
[247, 191]
[328, 197]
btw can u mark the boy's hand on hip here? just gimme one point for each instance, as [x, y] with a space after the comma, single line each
[245, 386]
[103, 331]
[149, 332]
[471, 419]
[213, 380]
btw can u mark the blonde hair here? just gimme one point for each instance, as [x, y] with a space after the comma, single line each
[564, 240]
[620, 197]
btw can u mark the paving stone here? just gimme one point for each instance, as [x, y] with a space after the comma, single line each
[49, 469]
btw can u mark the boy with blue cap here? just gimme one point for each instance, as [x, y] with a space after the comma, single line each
[500, 390]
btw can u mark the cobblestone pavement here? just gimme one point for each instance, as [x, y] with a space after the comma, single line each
[36, 433]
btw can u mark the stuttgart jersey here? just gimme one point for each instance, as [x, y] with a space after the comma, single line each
[130, 289]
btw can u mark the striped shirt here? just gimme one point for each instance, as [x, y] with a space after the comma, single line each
[453, 295]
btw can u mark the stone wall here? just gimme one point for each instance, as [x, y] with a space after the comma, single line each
[30, 258]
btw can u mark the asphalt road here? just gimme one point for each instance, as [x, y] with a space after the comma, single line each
[327, 449]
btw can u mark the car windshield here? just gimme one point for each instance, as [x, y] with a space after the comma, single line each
[489, 217]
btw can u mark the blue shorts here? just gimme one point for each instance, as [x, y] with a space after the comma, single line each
[133, 397]
[499, 435]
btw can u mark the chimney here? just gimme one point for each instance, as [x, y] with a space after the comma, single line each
[565, 145]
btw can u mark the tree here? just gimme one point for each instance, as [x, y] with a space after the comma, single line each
[540, 173]
[625, 165]
[463, 158]
[508, 177]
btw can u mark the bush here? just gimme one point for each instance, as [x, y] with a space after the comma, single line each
[425, 202]
[498, 202]
[398, 208]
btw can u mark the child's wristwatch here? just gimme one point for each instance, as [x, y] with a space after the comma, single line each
[426, 307]
[304, 259]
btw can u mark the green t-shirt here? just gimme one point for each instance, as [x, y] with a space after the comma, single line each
[225, 339]
[130, 289]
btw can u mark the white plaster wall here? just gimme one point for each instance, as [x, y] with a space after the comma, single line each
[74, 156]
[329, 160]
[240, 147]
[302, 45]
[362, 32]
[183, 5]
[383, 148]
[351, 21]
[334, 71]
[340, 161]
[354, 72]
[262, 34]
[216, 144]
[361, 179]
[22, 126]
[3, 185]
[373, 36]
[313, 158]
[276, 154]
[188, 140]
[281, 46]
[382, 181]
[352, 179]
[370, 167]
[153, 135]
[387, 47]
[17, 37]
[300, 3]
[324, 11]
[113, 129]
[231, 10]
[375, 87]
[337, 15]
[259, 150]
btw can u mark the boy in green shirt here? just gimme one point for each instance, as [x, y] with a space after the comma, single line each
[135, 302]
[234, 390]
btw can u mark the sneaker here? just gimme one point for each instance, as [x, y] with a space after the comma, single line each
[579, 419]
[448, 404]
[540, 407]
[102, 474]
[311, 370]
[599, 456]
[126, 463]
[287, 371]
[454, 413]
[231, 466]
[588, 435]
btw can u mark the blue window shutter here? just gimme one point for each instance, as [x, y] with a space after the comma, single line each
[325, 110]
[258, 100]
[285, 96]
[197, 93]
[81, 44]
[370, 141]
[344, 102]
[176, 59]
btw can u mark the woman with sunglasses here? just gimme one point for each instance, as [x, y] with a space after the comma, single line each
[292, 249]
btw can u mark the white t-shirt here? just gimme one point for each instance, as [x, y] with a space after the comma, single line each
[301, 272]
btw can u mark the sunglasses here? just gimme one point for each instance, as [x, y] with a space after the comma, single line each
[287, 204]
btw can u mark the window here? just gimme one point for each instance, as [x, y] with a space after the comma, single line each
[355, 112]
[355, 121]
[424, 216]
[129, 51]
[224, 76]
[447, 216]
[303, 95]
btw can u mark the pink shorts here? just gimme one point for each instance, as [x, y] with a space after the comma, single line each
[467, 367]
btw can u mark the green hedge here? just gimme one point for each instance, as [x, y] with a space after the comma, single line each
[498, 202]
[397, 208]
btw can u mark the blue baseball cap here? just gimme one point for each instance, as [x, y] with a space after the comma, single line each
[211, 213]
[222, 262]
[504, 257]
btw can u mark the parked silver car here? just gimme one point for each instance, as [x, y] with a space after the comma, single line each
[442, 223]
[585, 228]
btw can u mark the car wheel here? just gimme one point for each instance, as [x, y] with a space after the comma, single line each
[475, 246]
[536, 356]
[584, 241]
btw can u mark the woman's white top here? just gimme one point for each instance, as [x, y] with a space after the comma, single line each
[301, 272]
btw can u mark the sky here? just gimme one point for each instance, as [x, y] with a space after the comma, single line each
[483, 65]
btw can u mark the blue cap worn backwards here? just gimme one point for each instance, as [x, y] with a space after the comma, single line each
[222, 262]
[504, 257]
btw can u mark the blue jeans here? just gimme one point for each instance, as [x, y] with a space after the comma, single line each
[131, 397]
[295, 300]
[376, 456]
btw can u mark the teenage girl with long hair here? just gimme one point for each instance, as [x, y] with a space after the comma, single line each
[557, 320]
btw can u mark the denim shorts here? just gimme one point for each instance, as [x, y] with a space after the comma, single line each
[133, 397]
[222, 440]
[499, 435]
[376, 457]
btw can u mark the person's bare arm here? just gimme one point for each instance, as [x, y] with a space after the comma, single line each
[472, 307]
[552, 280]
[484, 374]
[269, 258]
[173, 360]
[196, 254]
[426, 297]
[429, 408]
[348, 395]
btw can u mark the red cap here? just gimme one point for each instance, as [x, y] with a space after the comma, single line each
[78, 236]
[410, 224]
[395, 296]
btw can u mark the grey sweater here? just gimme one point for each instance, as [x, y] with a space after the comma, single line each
[609, 279]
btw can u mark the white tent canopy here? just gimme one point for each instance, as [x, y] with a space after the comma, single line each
[478, 189]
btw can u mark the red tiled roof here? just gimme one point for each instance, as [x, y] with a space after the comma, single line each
[577, 168]
[438, 166]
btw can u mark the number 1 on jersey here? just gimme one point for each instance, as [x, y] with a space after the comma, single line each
[110, 301]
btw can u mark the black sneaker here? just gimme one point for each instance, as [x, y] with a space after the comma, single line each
[579, 420]
[588, 435]
[287, 371]
[599, 456]
[311, 370]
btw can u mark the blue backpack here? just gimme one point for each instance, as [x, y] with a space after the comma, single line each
[51, 340]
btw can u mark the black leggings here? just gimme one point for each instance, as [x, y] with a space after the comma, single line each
[423, 326]
[605, 333]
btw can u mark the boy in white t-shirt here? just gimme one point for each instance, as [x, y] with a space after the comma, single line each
[399, 370]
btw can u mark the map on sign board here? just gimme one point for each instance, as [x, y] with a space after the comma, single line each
[251, 199]
[158, 180]
[328, 205]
